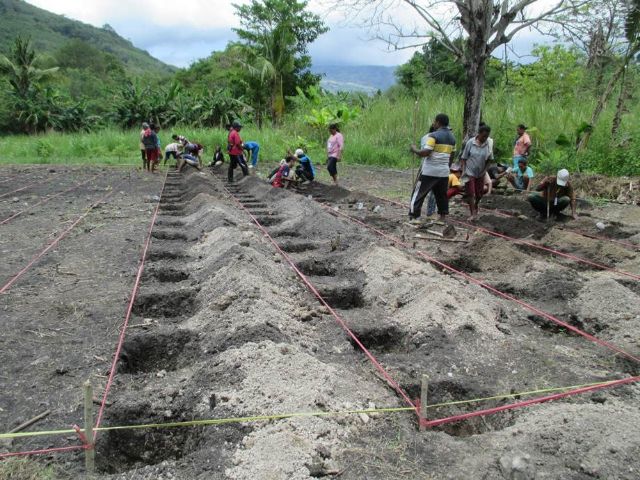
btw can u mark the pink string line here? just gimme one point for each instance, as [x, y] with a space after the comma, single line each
[546, 249]
[132, 298]
[46, 180]
[54, 242]
[525, 403]
[335, 315]
[44, 451]
[45, 200]
[504, 214]
[522, 303]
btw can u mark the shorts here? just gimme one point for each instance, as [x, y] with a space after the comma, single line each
[475, 187]
[170, 154]
[152, 155]
[332, 165]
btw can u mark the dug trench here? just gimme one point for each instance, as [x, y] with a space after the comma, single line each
[227, 329]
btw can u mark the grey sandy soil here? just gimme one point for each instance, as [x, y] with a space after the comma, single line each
[228, 330]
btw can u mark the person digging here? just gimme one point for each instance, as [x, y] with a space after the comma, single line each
[555, 194]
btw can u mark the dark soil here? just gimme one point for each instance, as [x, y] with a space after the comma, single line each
[222, 327]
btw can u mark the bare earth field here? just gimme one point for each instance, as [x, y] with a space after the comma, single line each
[223, 327]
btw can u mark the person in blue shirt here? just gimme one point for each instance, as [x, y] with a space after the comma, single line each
[305, 171]
[254, 148]
[520, 178]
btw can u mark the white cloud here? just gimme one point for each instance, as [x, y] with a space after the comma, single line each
[181, 32]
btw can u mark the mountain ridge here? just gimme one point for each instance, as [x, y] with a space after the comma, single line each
[50, 32]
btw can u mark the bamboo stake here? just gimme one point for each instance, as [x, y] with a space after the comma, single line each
[89, 453]
[424, 400]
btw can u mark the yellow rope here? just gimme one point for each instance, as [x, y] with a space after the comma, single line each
[266, 418]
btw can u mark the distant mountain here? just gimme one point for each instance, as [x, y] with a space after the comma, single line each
[355, 78]
[49, 32]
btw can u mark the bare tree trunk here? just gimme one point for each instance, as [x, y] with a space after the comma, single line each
[473, 93]
[620, 106]
[602, 102]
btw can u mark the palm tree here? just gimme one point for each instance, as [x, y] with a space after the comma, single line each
[21, 68]
[268, 60]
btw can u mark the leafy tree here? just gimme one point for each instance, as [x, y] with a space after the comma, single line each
[557, 74]
[275, 36]
[21, 68]
[436, 63]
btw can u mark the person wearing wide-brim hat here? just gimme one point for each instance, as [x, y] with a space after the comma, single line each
[555, 194]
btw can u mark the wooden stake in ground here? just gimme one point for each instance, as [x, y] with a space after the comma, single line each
[424, 390]
[413, 139]
[89, 453]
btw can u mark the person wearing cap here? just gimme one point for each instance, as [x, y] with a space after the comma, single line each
[305, 171]
[556, 194]
[437, 149]
[253, 148]
[335, 146]
[143, 150]
[521, 177]
[236, 154]
[521, 146]
[474, 160]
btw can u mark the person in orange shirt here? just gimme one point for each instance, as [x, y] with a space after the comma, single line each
[521, 146]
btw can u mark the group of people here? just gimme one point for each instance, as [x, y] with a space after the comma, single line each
[182, 150]
[443, 176]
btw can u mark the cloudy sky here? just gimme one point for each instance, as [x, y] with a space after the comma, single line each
[180, 32]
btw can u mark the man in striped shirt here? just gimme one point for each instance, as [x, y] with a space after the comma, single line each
[437, 150]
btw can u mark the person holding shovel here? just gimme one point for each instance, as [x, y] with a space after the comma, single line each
[556, 194]
[437, 150]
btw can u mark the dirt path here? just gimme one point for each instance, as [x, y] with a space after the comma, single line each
[225, 329]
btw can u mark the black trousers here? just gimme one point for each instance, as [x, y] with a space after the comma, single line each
[424, 185]
[235, 161]
[305, 173]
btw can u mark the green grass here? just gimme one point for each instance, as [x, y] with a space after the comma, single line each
[25, 469]
[381, 135]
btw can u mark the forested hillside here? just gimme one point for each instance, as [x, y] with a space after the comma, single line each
[50, 33]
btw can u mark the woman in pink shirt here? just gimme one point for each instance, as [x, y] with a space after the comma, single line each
[335, 146]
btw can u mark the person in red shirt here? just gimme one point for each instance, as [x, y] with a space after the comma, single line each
[236, 154]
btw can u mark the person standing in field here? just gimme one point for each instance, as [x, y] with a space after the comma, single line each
[556, 194]
[335, 147]
[254, 149]
[521, 146]
[150, 142]
[437, 150]
[474, 161]
[143, 151]
[236, 154]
